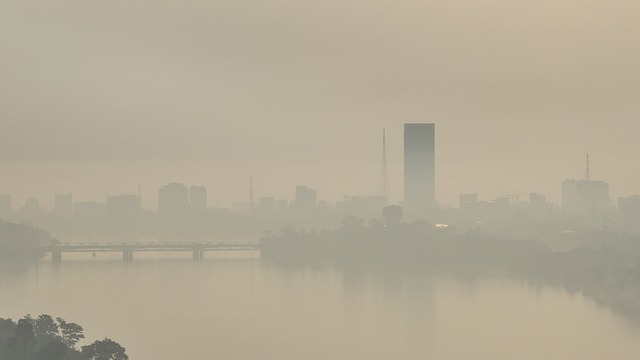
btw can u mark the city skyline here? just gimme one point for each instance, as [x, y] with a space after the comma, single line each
[104, 93]
[362, 178]
[231, 186]
[578, 190]
[320, 179]
[149, 195]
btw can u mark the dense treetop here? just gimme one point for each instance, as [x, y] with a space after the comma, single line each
[46, 338]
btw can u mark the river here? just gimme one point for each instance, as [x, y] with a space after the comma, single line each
[235, 306]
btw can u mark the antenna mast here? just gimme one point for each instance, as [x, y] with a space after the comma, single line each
[384, 172]
[588, 174]
[251, 193]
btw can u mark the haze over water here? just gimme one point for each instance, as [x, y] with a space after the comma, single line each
[199, 122]
[169, 307]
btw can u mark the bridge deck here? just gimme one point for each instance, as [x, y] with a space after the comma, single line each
[152, 246]
[127, 249]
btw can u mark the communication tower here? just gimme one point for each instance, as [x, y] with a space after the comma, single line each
[384, 172]
[588, 174]
[251, 193]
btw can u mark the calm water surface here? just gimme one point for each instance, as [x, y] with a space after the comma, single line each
[167, 307]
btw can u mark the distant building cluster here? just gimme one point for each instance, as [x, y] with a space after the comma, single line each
[584, 196]
[176, 201]
[578, 196]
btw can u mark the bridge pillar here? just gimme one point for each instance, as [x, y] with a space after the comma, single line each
[127, 255]
[198, 253]
[56, 256]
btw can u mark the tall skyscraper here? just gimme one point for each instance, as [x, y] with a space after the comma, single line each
[584, 196]
[63, 205]
[173, 199]
[198, 198]
[419, 167]
[306, 199]
[124, 206]
[267, 204]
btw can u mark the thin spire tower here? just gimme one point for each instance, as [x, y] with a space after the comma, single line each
[251, 193]
[384, 172]
[588, 172]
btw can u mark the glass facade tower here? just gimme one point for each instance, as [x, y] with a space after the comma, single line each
[419, 167]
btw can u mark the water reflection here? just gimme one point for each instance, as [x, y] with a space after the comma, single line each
[239, 308]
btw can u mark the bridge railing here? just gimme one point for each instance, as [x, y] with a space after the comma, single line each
[127, 248]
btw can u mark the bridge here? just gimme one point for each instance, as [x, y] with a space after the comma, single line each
[127, 248]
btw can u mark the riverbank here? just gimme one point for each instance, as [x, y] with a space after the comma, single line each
[18, 245]
[609, 274]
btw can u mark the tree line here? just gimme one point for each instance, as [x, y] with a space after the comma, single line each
[602, 265]
[46, 338]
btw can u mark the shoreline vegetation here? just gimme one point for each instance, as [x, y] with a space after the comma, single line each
[46, 338]
[18, 244]
[602, 265]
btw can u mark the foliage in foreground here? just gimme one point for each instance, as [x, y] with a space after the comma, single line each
[45, 338]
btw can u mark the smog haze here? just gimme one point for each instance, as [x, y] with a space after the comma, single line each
[99, 97]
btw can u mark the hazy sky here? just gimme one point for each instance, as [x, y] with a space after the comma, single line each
[100, 96]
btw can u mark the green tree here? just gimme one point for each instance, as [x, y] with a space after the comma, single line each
[104, 350]
[55, 350]
[71, 332]
[46, 326]
[7, 329]
[46, 339]
[46, 330]
[21, 345]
